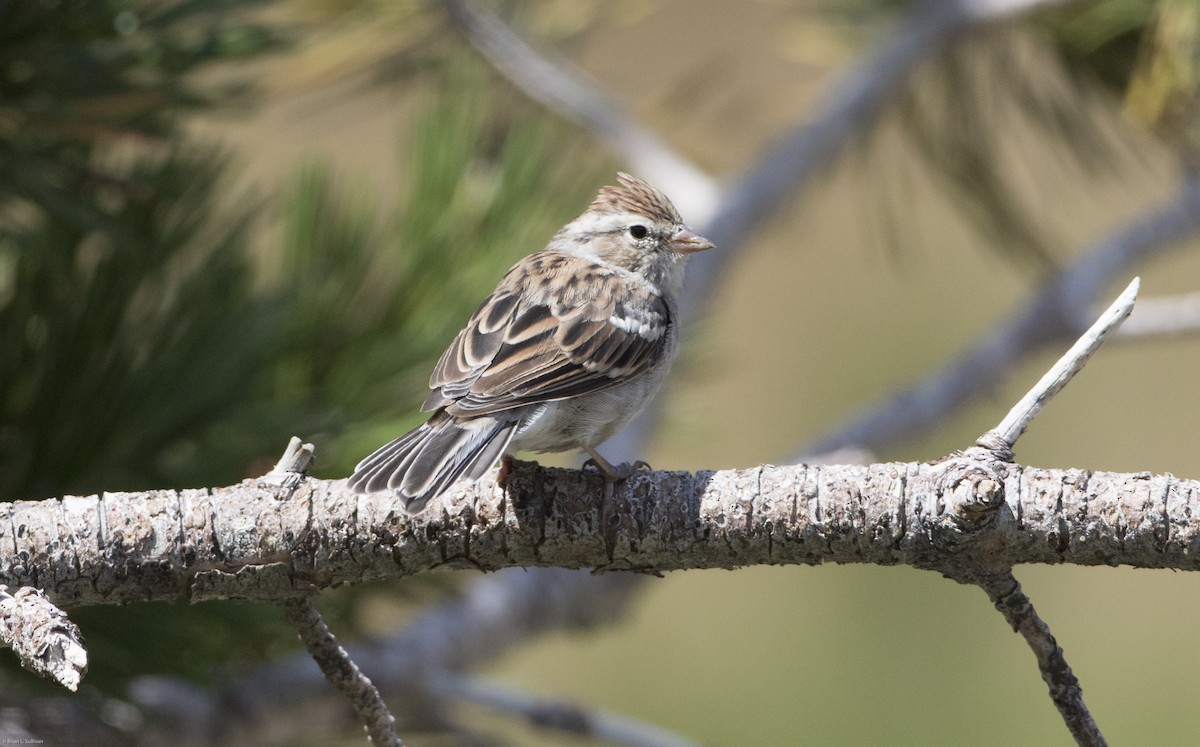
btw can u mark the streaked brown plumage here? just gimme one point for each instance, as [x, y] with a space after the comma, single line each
[571, 344]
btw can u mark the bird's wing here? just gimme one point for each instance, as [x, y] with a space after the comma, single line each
[557, 326]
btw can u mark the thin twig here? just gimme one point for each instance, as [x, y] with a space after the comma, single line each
[570, 718]
[340, 670]
[1071, 363]
[1065, 691]
[974, 482]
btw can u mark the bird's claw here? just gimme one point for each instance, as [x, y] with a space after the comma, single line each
[615, 473]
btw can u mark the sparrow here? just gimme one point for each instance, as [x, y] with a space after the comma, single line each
[574, 341]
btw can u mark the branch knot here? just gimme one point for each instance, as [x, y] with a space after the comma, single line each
[971, 484]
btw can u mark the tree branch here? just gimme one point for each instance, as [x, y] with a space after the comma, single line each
[1004, 436]
[244, 542]
[1065, 691]
[340, 669]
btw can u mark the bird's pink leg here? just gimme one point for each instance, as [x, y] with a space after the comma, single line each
[612, 474]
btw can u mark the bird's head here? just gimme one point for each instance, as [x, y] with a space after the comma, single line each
[634, 226]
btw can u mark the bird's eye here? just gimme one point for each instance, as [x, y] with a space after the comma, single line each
[638, 232]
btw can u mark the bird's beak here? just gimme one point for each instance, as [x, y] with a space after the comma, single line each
[686, 241]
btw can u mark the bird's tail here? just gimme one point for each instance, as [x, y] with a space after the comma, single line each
[422, 463]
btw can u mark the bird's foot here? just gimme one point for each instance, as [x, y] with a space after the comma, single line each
[610, 472]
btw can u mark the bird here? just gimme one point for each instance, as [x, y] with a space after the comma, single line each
[574, 341]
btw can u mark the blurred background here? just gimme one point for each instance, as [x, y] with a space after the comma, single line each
[225, 223]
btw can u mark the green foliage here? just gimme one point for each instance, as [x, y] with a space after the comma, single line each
[151, 337]
[121, 339]
[1164, 92]
[77, 76]
[1100, 39]
[198, 641]
[128, 310]
[110, 249]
